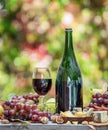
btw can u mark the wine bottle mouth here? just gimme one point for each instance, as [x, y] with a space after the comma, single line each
[68, 29]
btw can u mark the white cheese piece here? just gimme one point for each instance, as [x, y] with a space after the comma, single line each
[100, 116]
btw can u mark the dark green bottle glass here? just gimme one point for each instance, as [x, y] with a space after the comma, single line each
[69, 80]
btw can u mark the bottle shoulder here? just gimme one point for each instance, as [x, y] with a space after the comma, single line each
[71, 72]
[69, 63]
[69, 68]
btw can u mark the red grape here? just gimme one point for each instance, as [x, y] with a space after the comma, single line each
[40, 113]
[30, 96]
[27, 107]
[33, 107]
[6, 112]
[105, 95]
[12, 105]
[98, 95]
[12, 112]
[36, 111]
[18, 106]
[45, 113]
[14, 101]
[105, 101]
[25, 96]
[100, 100]
[34, 117]
[39, 119]
[94, 96]
[22, 112]
[94, 100]
[15, 97]
[35, 100]
[7, 103]
[5, 106]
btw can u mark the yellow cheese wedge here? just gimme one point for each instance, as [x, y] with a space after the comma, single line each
[66, 114]
[80, 114]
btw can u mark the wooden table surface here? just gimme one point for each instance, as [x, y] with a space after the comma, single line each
[49, 126]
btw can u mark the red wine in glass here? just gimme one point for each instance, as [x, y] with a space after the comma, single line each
[42, 86]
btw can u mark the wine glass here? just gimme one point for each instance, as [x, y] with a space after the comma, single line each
[42, 81]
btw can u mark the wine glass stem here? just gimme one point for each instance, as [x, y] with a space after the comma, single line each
[42, 99]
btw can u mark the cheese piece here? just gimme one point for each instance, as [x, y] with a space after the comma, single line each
[80, 114]
[77, 109]
[90, 111]
[100, 116]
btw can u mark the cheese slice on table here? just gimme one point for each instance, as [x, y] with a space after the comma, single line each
[100, 116]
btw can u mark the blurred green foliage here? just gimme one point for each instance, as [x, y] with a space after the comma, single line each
[33, 30]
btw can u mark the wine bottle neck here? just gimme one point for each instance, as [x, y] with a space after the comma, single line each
[68, 42]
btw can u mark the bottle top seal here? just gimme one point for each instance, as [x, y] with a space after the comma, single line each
[68, 29]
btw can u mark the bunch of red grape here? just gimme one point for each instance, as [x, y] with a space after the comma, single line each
[99, 99]
[24, 108]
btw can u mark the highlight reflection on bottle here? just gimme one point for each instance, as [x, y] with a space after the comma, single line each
[69, 79]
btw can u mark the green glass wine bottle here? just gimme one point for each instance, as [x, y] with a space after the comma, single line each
[69, 92]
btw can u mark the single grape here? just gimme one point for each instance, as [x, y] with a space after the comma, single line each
[5, 106]
[22, 112]
[34, 117]
[105, 101]
[36, 111]
[15, 97]
[35, 100]
[14, 101]
[12, 112]
[105, 95]
[40, 113]
[98, 95]
[12, 105]
[6, 112]
[25, 96]
[100, 100]
[33, 107]
[45, 113]
[39, 119]
[7, 103]
[30, 97]
[18, 106]
[94, 96]
[27, 107]
[94, 100]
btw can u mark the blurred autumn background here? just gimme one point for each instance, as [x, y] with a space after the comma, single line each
[32, 33]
